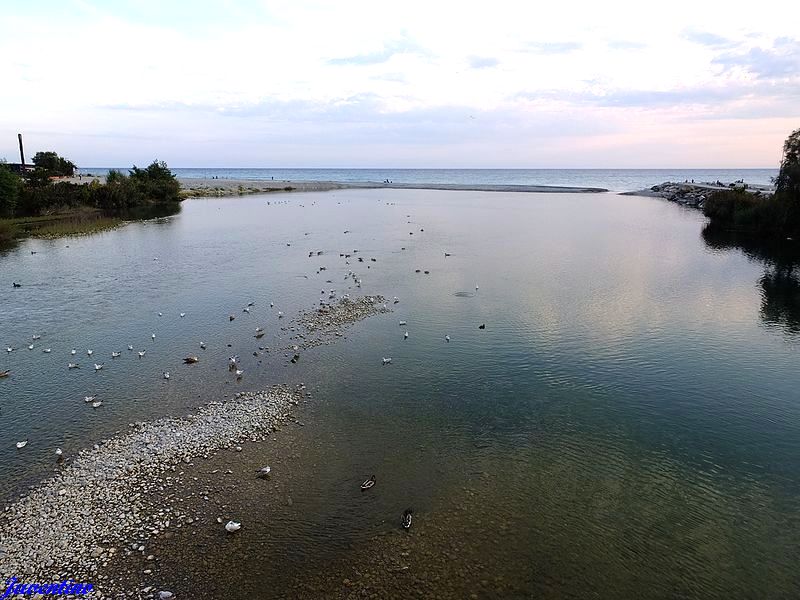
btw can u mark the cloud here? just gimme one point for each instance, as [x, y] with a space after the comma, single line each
[705, 38]
[626, 45]
[390, 49]
[552, 47]
[481, 62]
[780, 61]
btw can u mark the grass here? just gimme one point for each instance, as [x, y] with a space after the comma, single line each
[81, 221]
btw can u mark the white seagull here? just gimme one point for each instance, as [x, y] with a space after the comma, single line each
[30, 347]
[36, 337]
[386, 361]
[153, 337]
[89, 352]
[142, 353]
[447, 338]
[98, 367]
[183, 315]
[232, 526]
[203, 345]
[73, 352]
[88, 399]
[166, 374]
[405, 335]
[22, 444]
[116, 354]
[9, 349]
[73, 366]
[401, 322]
[130, 347]
[47, 350]
[97, 404]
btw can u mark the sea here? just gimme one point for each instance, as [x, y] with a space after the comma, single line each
[625, 425]
[619, 180]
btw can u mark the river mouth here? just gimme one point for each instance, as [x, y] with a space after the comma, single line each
[604, 421]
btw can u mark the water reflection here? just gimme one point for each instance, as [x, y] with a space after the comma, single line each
[780, 282]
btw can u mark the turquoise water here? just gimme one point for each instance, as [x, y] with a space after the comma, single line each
[627, 425]
[620, 180]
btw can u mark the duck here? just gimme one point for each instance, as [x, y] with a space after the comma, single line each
[15, 284]
[402, 323]
[477, 288]
[232, 526]
[22, 444]
[190, 360]
[47, 350]
[405, 522]
[482, 326]
[73, 366]
[263, 472]
[271, 304]
[4, 373]
[246, 309]
[447, 338]
[368, 483]
[232, 362]
[116, 354]
[203, 345]
[231, 317]
[141, 353]
[386, 361]
[396, 300]
[98, 367]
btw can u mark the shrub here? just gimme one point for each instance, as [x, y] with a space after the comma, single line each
[10, 184]
[54, 164]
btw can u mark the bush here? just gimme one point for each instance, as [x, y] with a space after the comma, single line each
[53, 164]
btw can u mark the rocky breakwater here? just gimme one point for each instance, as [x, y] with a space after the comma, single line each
[695, 194]
[112, 498]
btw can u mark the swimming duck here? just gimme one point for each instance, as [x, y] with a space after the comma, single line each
[5, 373]
[203, 345]
[153, 337]
[368, 483]
[482, 326]
[402, 323]
[231, 317]
[190, 360]
[406, 520]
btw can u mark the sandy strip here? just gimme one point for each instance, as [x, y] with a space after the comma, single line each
[205, 187]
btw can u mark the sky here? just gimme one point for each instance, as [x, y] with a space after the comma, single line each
[416, 84]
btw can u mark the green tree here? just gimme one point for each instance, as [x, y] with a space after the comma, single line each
[54, 164]
[787, 184]
[10, 184]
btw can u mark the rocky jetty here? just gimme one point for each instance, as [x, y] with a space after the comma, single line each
[326, 323]
[695, 194]
[115, 496]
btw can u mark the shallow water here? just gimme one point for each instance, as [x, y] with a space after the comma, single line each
[625, 426]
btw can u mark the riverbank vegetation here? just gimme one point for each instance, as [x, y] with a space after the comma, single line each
[766, 216]
[37, 204]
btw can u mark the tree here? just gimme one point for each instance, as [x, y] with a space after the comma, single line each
[787, 184]
[10, 184]
[54, 164]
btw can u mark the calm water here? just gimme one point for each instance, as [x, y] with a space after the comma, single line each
[627, 425]
[620, 180]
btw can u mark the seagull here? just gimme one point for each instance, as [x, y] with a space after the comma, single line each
[271, 304]
[476, 288]
[239, 373]
[447, 338]
[116, 354]
[405, 335]
[166, 374]
[9, 349]
[402, 323]
[97, 404]
[251, 304]
[232, 526]
[22, 444]
[36, 337]
[59, 453]
[263, 472]
[280, 315]
[160, 314]
[88, 399]
[130, 347]
[203, 345]
[447, 254]
[47, 350]
[396, 300]
[89, 352]
[73, 352]
[386, 361]
[141, 354]
[98, 367]
[30, 347]
[245, 310]
[73, 366]
[406, 520]
[368, 483]
[232, 362]
[183, 315]
[153, 337]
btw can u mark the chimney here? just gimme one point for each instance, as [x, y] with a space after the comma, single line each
[21, 152]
